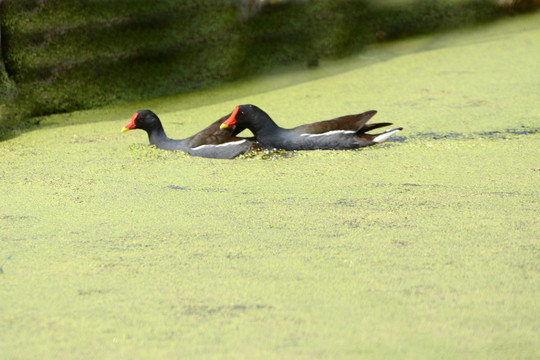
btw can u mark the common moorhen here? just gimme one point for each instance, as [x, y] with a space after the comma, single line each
[345, 132]
[211, 142]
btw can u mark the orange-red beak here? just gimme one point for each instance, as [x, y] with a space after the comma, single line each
[231, 120]
[131, 124]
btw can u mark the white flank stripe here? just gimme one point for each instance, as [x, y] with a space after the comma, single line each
[330, 133]
[385, 135]
[222, 145]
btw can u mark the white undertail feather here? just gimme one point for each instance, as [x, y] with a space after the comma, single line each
[385, 135]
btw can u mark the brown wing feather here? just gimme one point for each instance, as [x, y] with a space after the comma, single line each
[213, 135]
[347, 122]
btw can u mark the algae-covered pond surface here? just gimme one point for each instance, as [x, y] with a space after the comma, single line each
[424, 247]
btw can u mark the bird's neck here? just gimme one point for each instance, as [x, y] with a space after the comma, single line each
[157, 135]
[265, 125]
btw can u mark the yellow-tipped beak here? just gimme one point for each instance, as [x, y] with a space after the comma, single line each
[231, 120]
[125, 129]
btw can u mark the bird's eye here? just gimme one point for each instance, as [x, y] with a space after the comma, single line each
[242, 114]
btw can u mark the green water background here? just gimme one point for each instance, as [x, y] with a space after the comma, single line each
[425, 247]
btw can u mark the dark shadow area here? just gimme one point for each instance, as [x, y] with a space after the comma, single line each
[67, 55]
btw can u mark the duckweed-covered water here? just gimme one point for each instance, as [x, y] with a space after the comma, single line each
[422, 247]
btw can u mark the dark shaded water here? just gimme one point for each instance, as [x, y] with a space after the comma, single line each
[494, 134]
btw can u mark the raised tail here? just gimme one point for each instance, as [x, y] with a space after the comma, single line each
[382, 137]
[369, 127]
